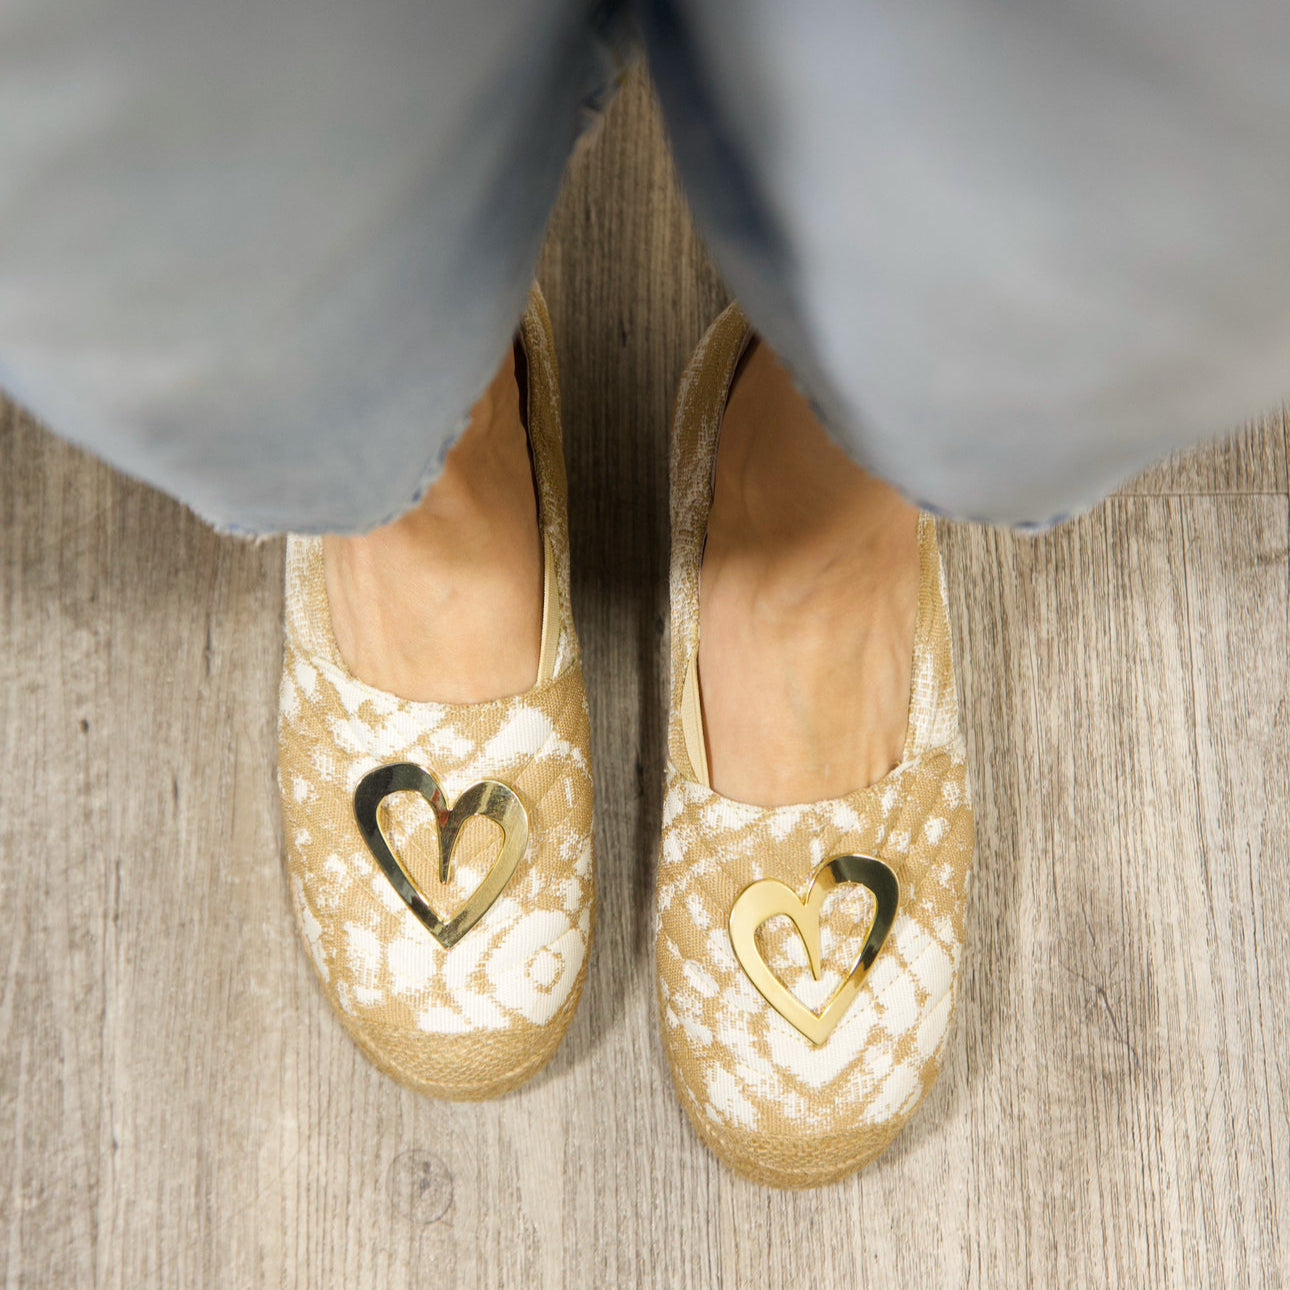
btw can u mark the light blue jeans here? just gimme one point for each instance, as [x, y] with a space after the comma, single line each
[266, 256]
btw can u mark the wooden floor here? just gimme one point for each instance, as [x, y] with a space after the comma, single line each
[178, 1107]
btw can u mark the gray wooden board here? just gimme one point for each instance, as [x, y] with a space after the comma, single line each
[179, 1108]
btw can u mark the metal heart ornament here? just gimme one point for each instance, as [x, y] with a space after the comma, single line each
[488, 798]
[768, 897]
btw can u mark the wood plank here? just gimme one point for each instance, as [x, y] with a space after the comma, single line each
[1254, 460]
[627, 317]
[1105, 939]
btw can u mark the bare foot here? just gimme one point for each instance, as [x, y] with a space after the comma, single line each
[808, 603]
[445, 604]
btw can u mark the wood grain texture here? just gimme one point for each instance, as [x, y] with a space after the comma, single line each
[1254, 460]
[179, 1108]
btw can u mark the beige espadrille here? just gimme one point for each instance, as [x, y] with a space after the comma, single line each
[439, 854]
[797, 1077]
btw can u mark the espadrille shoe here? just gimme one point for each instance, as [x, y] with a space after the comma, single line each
[453, 948]
[807, 955]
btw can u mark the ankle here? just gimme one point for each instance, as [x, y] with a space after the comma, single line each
[784, 491]
[445, 603]
[808, 600]
[813, 573]
[488, 473]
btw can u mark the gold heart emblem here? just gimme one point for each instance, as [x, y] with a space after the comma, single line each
[489, 798]
[766, 898]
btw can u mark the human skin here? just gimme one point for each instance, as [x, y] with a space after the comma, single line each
[808, 593]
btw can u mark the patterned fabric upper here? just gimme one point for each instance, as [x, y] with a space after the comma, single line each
[523, 957]
[739, 1063]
